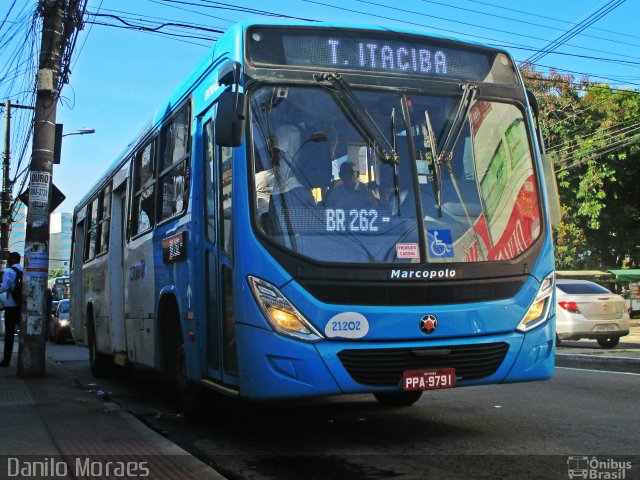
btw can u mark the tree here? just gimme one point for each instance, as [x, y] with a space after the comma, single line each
[590, 132]
[57, 272]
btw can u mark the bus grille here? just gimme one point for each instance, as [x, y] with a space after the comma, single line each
[383, 367]
[413, 294]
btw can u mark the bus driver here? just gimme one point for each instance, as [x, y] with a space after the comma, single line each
[351, 193]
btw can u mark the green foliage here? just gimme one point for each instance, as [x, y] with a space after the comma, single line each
[592, 133]
[56, 272]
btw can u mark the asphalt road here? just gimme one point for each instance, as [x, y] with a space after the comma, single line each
[528, 430]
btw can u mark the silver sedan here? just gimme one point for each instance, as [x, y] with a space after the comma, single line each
[588, 310]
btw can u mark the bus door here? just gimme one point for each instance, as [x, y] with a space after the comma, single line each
[116, 269]
[78, 317]
[221, 345]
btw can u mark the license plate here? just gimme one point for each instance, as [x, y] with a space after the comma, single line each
[604, 328]
[429, 379]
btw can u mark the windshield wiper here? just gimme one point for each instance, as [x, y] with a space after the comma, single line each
[445, 154]
[394, 134]
[436, 170]
[469, 93]
[342, 92]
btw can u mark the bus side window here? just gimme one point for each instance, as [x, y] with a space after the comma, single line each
[103, 226]
[209, 180]
[174, 166]
[92, 231]
[226, 183]
[142, 217]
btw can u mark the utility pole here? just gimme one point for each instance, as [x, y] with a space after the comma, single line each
[33, 320]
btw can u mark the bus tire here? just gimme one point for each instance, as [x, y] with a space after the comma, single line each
[174, 360]
[398, 399]
[101, 364]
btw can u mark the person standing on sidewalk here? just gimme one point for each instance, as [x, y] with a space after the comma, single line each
[12, 276]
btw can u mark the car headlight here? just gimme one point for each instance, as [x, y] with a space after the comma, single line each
[283, 317]
[538, 311]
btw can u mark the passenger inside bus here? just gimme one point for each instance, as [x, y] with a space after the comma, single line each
[351, 193]
[280, 188]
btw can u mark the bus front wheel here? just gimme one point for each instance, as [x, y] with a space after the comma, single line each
[398, 399]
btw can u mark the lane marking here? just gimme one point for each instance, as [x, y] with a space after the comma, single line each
[597, 371]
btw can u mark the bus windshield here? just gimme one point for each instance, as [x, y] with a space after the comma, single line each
[379, 178]
[60, 287]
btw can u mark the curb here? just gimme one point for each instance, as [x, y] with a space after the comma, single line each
[612, 364]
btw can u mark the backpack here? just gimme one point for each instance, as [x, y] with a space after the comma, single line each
[16, 291]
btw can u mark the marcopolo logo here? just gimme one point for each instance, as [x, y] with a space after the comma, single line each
[593, 468]
[422, 274]
[428, 324]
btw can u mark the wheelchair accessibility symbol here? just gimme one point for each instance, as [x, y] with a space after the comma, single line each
[440, 243]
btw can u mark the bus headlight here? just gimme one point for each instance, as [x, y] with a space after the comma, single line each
[539, 310]
[283, 317]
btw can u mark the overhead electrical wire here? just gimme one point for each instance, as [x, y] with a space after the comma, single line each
[599, 152]
[524, 22]
[493, 29]
[234, 7]
[562, 145]
[571, 149]
[132, 16]
[622, 133]
[502, 7]
[176, 36]
[77, 56]
[183, 9]
[17, 79]
[159, 26]
[565, 37]
[580, 84]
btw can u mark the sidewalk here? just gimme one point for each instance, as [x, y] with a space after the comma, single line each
[589, 355]
[52, 427]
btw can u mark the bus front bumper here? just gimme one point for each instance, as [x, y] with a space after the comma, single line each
[273, 366]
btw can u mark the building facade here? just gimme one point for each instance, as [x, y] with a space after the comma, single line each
[60, 228]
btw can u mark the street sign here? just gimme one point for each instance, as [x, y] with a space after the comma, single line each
[57, 197]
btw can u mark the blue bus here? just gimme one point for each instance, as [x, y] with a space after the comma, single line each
[59, 287]
[324, 210]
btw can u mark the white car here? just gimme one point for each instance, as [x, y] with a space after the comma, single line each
[588, 310]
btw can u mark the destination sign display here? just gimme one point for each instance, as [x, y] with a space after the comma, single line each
[336, 49]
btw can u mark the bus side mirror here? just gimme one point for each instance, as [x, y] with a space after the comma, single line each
[549, 173]
[230, 119]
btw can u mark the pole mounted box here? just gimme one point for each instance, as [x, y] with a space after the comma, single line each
[45, 80]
